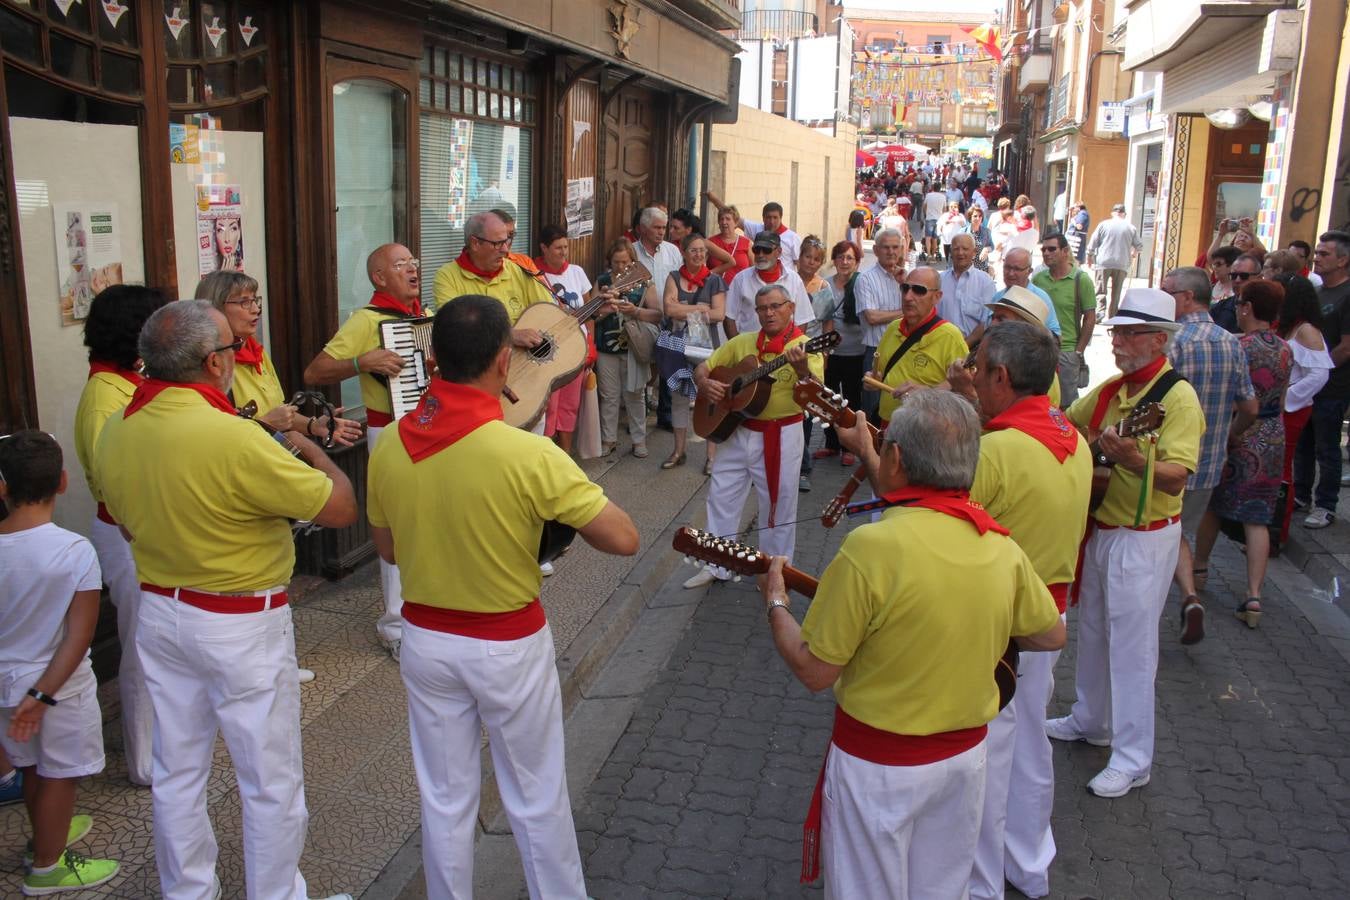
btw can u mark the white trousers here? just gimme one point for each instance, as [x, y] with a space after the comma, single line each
[1126, 576]
[610, 369]
[1019, 794]
[138, 716]
[740, 464]
[456, 686]
[899, 832]
[233, 674]
[390, 625]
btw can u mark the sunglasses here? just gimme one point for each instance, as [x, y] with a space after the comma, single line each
[1242, 276]
[918, 290]
[761, 250]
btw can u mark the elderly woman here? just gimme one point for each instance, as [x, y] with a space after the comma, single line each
[688, 290]
[984, 242]
[1251, 477]
[619, 374]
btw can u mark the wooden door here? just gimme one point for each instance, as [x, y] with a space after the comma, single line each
[629, 173]
[579, 123]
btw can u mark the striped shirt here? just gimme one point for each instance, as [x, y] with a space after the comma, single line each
[1213, 362]
[876, 289]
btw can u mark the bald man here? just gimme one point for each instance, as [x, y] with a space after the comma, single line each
[355, 352]
[966, 291]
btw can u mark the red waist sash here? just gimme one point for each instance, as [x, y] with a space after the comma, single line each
[503, 626]
[377, 419]
[1060, 592]
[221, 603]
[885, 748]
[772, 429]
[104, 515]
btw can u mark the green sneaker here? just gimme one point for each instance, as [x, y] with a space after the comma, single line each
[73, 873]
[79, 826]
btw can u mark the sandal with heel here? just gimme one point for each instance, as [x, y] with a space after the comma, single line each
[1249, 615]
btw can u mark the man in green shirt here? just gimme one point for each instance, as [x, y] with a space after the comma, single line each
[1072, 292]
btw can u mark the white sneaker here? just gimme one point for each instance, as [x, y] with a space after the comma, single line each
[1319, 518]
[546, 569]
[1064, 730]
[394, 646]
[703, 578]
[1115, 783]
[305, 675]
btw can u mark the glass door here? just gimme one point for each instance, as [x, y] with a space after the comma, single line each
[371, 158]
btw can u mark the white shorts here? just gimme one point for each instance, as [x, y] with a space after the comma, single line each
[69, 743]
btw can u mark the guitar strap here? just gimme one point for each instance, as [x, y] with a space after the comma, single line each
[910, 341]
[1154, 394]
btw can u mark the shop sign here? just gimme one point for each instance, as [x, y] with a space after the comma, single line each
[1111, 118]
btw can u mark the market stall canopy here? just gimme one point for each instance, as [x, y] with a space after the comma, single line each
[897, 152]
[975, 146]
[862, 158]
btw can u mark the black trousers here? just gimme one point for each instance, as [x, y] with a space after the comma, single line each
[843, 374]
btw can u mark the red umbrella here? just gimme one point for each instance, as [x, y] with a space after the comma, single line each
[897, 152]
[862, 158]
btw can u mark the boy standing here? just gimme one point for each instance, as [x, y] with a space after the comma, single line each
[50, 725]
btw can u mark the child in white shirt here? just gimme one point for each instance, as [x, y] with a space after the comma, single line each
[50, 725]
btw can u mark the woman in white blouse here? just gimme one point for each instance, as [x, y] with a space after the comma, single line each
[1301, 325]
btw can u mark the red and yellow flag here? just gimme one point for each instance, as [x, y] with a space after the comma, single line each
[988, 39]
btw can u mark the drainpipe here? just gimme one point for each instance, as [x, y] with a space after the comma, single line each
[695, 165]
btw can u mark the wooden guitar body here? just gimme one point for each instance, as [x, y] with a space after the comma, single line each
[537, 372]
[744, 400]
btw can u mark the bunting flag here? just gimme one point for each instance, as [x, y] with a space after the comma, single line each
[987, 37]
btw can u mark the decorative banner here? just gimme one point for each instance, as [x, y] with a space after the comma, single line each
[113, 10]
[64, 6]
[176, 22]
[215, 31]
[247, 30]
[580, 207]
[88, 255]
[220, 229]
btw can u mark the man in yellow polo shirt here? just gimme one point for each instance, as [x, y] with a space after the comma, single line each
[483, 267]
[925, 360]
[765, 451]
[477, 650]
[1135, 534]
[1035, 478]
[395, 275]
[907, 624]
[206, 498]
[115, 319]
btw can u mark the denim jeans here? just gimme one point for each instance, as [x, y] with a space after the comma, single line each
[1319, 454]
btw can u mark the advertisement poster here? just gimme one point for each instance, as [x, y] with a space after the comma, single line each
[220, 229]
[88, 255]
[580, 207]
[184, 146]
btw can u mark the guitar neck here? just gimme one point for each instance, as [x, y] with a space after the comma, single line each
[799, 581]
[835, 510]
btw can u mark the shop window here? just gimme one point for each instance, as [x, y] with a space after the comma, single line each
[476, 141]
[88, 45]
[217, 51]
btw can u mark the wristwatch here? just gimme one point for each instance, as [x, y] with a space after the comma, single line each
[41, 697]
[776, 604]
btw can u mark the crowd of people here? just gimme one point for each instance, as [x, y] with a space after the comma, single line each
[974, 439]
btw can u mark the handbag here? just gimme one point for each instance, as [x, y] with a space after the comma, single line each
[641, 337]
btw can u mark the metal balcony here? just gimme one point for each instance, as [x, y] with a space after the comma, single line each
[776, 24]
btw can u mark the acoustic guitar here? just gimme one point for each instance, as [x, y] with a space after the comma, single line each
[535, 373]
[1144, 420]
[745, 560]
[749, 384]
[829, 408]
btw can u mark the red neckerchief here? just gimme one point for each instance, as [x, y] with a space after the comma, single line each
[907, 331]
[97, 366]
[697, 278]
[1108, 394]
[151, 388]
[543, 267]
[446, 413]
[1023, 224]
[948, 501]
[773, 274]
[251, 354]
[776, 345]
[1038, 418]
[781, 229]
[381, 300]
[467, 265]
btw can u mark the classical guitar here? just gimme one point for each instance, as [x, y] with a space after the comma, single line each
[535, 373]
[829, 408]
[745, 560]
[749, 384]
[1144, 420]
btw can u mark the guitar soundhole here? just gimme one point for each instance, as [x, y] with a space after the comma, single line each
[544, 351]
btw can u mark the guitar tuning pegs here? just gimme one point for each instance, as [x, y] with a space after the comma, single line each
[825, 425]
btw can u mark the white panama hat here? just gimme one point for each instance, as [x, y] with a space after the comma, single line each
[1146, 306]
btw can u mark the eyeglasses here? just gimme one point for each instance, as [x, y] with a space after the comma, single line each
[771, 307]
[236, 345]
[1242, 276]
[402, 264]
[1127, 333]
[499, 245]
[918, 290]
[247, 302]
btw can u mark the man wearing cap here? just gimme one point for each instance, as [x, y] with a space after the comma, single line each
[1111, 253]
[877, 291]
[1131, 553]
[1212, 361]
[769, 268]
[965, 291]
[1034, 477]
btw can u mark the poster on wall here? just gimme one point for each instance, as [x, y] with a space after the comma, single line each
[580, 207]
[220, 229]
[88, 255]
[184, 144]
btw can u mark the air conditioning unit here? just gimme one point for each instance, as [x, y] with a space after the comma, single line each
[1280, 41]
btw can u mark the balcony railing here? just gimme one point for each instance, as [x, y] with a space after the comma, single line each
[776, 24]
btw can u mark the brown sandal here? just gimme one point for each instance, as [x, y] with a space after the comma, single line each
[1192, 620]
[675, 459]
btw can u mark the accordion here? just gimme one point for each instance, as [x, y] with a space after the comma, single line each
[410, 339]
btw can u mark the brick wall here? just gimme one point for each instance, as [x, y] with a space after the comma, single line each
[757, 167]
